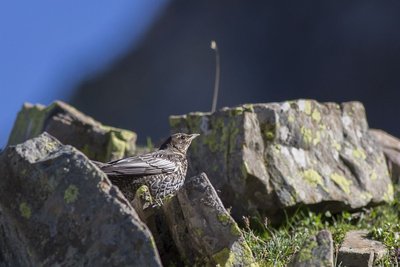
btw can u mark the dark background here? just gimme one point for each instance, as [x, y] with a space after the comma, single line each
[131, 64]
[270, 51]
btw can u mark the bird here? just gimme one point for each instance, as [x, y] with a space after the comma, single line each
[162, 171]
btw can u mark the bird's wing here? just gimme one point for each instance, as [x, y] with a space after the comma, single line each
[148, 164]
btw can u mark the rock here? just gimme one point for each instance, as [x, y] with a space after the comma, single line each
[203, 231]
[391, 149]
[68, 125]
[318, 252]
[358, 250]
[267, 157]
[156, 221]
[58, 209]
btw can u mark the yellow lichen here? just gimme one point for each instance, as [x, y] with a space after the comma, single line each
[336, 146]
[307, 107]
[317, 138]
[313, 178]
[291, 118]
[307, 134]
[25, 210]
[71, 194]
[388, 195]
[359, 153]
[316, 116]
[342, 182]
[373, 175]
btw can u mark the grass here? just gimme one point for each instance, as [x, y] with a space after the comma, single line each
[276, 246]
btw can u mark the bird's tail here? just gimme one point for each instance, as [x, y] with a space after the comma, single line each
[100, 164]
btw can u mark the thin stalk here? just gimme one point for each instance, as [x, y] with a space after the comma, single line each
[217, 75]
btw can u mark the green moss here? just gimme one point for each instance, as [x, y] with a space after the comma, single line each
[342, 182]
[224, 218]
[175, 121]
[25, 210]
[305, 254]
[71, 194]
[236, 111]
[359, 153]
[235, 230]
[198, 232]
[224, 257]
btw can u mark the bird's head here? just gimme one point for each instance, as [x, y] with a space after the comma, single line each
[179, 141]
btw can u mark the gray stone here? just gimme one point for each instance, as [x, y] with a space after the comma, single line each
[71, 127]
[318, 252]
[58, 209]
[263, 158]
[358, 250]
[202, 230]
[155, 220]
[391, 149]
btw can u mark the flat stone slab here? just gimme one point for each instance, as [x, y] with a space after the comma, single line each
[264, 158]
[316, 252]
[72, 127]
[58, 209]
[358, 250]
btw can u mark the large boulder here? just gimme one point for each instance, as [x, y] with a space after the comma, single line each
[195, 225]
[263, 158]
[391, 149]
[70, 126]
[58, 209]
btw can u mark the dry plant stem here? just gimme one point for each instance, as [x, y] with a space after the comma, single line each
[217, 75]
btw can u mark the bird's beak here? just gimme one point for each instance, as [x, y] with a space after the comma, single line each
[193, 136]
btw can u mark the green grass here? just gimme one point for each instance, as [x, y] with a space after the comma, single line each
[276, 246]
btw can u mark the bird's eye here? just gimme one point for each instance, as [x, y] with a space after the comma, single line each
[183, 137]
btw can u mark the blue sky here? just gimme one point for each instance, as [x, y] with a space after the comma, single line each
[47, 47]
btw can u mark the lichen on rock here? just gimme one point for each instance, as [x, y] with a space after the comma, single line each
[70, 126]
[283, 155]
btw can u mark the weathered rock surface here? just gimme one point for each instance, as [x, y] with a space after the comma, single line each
[318, 252]
[58, 209]
[71, 127]
[358, 250]
[202, 230]
[265, 157]
[391, 149]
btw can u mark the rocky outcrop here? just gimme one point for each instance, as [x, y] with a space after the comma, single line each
[359, 250]
[316, 252]
[391, 149]
[69, 126]
[263, 158]
[202, 230]
[58, 209]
